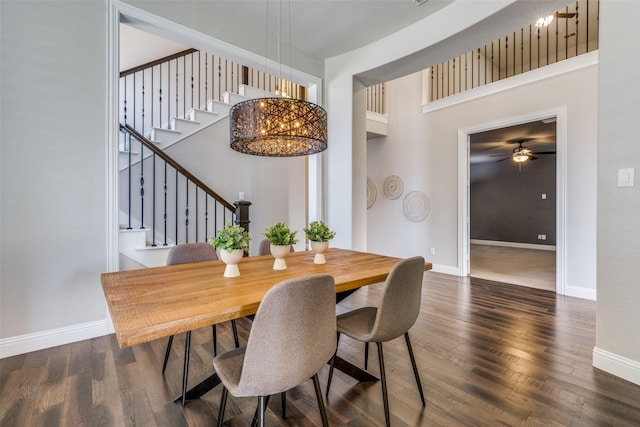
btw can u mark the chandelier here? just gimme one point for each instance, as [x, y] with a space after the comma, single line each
[278, 127]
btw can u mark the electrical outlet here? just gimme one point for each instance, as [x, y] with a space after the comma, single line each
[241, 195]
[432, 251]
[542, 237]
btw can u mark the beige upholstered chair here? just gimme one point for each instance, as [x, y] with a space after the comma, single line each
[394, 317]
[182, 254]
[293, 335]
[265, 247]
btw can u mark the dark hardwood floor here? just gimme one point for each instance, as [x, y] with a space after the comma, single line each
[489, 354]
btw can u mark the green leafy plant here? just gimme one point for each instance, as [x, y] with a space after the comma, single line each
[279, 234]
[319, 232]
[231, 237]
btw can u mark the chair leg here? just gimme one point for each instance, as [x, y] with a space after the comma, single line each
[185, 372]
[366, 355]
[223, 404]
[323, 411]
[383, 381]
[235, 333]
[263, 408]
[254, 421]
[283, 404]
[215, 340]
[415, 367]
[166, 354]
[332, 366]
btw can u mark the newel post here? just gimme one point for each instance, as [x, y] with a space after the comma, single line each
[242, 213]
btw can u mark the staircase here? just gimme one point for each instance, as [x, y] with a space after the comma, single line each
[136, 244]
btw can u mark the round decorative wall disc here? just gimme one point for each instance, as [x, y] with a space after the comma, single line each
[371, 193]
[416, 206]
[393, 187]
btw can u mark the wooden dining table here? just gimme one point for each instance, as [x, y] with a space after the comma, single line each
[152, 303]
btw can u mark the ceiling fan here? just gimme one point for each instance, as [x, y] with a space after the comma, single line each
[521, 154]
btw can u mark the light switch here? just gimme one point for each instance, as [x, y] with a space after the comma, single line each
[544, 196]
[625, 177]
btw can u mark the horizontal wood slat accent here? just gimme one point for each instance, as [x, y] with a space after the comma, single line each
[152, 303]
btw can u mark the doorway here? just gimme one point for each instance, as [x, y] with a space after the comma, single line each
[512, 214]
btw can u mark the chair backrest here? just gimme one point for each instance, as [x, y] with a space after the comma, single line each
[401, 300]
[191, 252]
[292, 336]
[265, 247]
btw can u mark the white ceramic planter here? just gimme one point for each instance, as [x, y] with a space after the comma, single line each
[319, 248]
[231, 259]
[279, 252]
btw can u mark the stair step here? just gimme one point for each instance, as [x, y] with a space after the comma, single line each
[203, 116]
[164, 136]
[185, 125]
[233, 98]
[252, 92]
[218, 107]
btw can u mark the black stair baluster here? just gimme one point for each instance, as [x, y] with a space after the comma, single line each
[141, 185]
[143, 103]
[165, 204]
[186, 212]
[206, 217]
[160, 100]
[127, 137]
[196, 238]
[153, 205]
[176, 206]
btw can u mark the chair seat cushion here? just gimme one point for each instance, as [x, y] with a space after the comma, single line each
[228, 366]
[358, 323]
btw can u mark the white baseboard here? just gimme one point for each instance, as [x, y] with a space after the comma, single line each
[619, 366]
[579, 292]
[52, 338]
[513, 244]
[445, 269]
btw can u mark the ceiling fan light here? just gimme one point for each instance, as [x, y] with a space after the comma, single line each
[520, 157]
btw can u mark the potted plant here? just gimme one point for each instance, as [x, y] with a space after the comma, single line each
[232, 241]
[319, 235]
[281, 238]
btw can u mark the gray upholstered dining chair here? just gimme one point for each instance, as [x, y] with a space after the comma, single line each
[293, 335]
[265, 247]
[395, 315]
[182, 254]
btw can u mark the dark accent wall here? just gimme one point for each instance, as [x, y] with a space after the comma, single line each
[506, 205]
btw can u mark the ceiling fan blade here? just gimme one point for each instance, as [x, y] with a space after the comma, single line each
[533, 158]
[565, 15]
[544, 152]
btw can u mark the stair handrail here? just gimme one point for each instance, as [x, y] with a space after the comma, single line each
[157, 62]
[177, 166]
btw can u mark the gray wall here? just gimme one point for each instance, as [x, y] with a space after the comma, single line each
[506, 204]
[53, 220]
[618, 314]
[423, 150]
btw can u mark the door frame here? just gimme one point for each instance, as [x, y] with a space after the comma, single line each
[464, 236]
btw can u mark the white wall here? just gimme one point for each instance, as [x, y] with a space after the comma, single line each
[276, 187]
[423, 150]
[53, 136]
[618, 315]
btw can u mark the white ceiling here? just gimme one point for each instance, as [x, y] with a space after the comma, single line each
[326, 28]
[318, 28]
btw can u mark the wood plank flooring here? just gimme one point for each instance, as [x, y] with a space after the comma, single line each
[489, 354]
